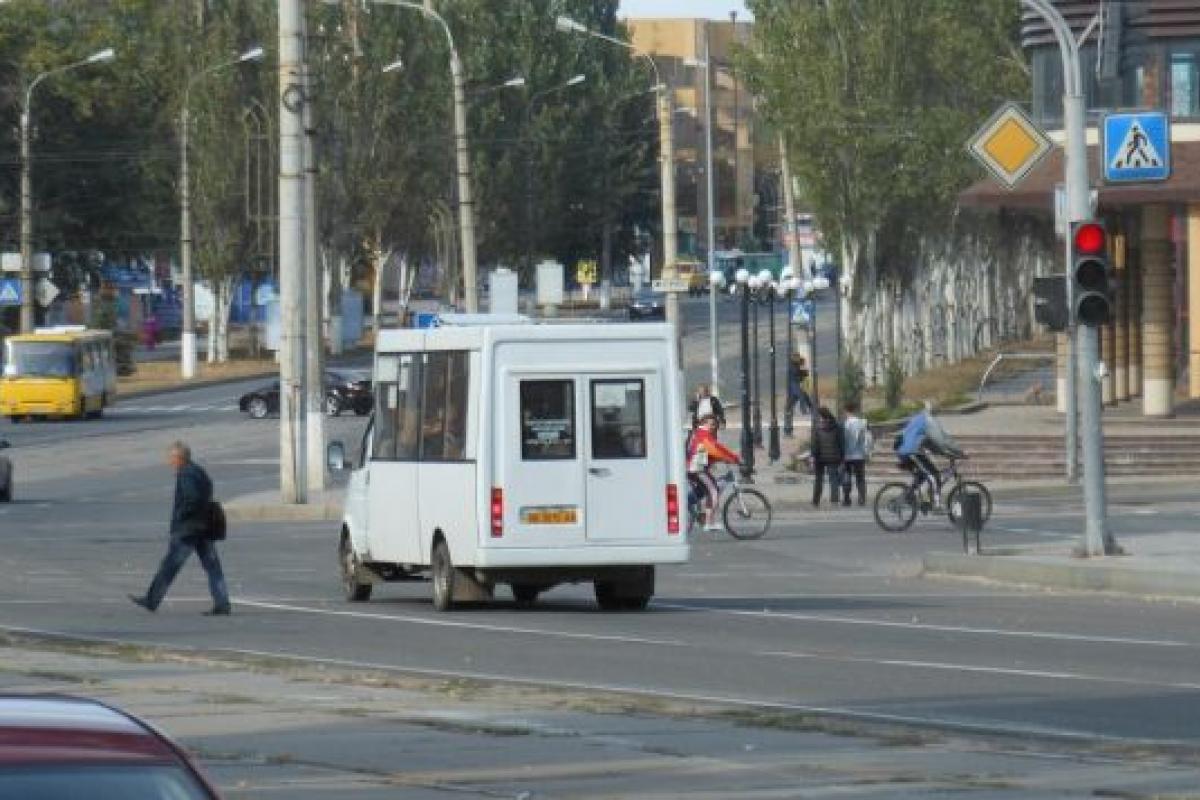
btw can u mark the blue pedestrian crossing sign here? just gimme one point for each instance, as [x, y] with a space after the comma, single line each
[10, 291]
[1137, 147]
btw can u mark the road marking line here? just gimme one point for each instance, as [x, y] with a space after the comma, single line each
[885, 623]
[989, 670]
[439, 623]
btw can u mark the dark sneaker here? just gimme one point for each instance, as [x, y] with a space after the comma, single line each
[140, 600]
[223, 611]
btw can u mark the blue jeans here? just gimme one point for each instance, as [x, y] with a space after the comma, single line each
[173, 561]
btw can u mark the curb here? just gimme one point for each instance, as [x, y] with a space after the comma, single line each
[280, 512]
[1079, 576]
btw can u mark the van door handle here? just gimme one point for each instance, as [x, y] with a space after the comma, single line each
[600, 472]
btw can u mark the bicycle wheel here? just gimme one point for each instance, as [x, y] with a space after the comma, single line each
[954, 501]
[895, 507]
[747, 514]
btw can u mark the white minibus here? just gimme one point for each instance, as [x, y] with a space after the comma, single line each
[519, 453]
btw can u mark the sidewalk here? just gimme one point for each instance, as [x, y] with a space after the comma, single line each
[1157, 565]
[268, 507]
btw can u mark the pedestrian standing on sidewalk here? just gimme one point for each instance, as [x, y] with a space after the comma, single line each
[191, 529]
[857, 444]
[704, 404]
[827, 447]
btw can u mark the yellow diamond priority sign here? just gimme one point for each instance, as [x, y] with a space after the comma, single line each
[1010, 145]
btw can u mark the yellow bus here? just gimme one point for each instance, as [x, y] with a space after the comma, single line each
[68, 371]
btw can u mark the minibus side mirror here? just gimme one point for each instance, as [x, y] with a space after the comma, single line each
[335, 457]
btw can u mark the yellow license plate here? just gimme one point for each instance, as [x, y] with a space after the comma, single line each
[550, 516]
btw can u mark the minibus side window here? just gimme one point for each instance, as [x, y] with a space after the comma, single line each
[618, 419]
[547, 420]
[408, 408]
[387, 398]
[444, 417]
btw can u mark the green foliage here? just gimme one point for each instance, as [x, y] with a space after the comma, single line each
[893, 382]
[876, 98]
[851, 382]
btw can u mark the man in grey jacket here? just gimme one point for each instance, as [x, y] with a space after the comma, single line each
[857, 449]
[190, 523]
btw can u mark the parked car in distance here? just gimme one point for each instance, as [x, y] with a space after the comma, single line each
[63, 748]
[344, 391]
[647, 304]
[6, 475]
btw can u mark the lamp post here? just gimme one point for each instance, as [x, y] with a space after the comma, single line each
[756, 285]
[787, 288]
[810, 288]
[666, 169]
[773, 430]
[710, 224]
[742, 287]
[27, 299]
[462, 157]
[187, 338]
[575, 80]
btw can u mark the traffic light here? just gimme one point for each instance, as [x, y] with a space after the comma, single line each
[1090, 273]
[1050, 302]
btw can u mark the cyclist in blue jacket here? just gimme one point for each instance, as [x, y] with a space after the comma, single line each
[925, 433]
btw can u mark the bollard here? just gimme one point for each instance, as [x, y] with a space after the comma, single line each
[970, 519]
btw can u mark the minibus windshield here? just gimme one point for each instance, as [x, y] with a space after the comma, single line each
[39, 360]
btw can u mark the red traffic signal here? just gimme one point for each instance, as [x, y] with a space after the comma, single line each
[1090, 239]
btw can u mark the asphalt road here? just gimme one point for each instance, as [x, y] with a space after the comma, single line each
[824, 614]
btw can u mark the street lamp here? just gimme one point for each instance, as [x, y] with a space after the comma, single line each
[574, 80]
[187, 335]
[710, 223]
[743, 286]
[763, 291]
[462, 159]
[755, 284]
[27, 299]
[666, 168]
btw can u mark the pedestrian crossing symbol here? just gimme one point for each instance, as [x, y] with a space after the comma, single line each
[10, 292]
[1137, 147]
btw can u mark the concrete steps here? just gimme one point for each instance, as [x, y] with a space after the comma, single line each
[1032, 456]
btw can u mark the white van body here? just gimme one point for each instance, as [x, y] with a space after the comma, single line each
[521, 453]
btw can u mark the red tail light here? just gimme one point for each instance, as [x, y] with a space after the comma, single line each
[497, 512]
[672, 508]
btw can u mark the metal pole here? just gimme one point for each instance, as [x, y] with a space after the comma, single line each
[1096, 538]
[466, 203]
[314, 358]
[773, 433]
[758, 430]
[787, 361]
[747, 439]
[291, 247]
[837, 293]
[187, 334]
[670, 234]
[714, 342]
[815, 400]
[27, 308]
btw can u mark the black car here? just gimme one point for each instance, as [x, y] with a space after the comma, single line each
[647, 304]
[6, 476]
[343, 392]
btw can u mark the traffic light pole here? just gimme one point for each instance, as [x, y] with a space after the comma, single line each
[1096, 539]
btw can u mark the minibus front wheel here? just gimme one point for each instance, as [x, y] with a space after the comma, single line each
[355, 589]
[443, 576]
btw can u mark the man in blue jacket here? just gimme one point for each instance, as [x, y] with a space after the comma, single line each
[190, 522]
[924, 432]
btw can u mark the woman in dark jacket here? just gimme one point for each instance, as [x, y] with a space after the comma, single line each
[827, 448]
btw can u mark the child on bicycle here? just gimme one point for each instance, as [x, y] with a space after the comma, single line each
[704, 450]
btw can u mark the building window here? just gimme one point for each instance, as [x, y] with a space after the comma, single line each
[1184, 100]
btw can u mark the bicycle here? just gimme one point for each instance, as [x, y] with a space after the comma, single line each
[745, 512]
[897, 504]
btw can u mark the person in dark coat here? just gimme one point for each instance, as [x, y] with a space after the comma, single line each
[797, 380]
[705, 403]
[190, 523]
[828, 451]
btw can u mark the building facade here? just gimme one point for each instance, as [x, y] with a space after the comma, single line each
[1138, 55]
[678, 47]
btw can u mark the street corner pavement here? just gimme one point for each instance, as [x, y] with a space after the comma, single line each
[1151, 565]
[268, 506]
